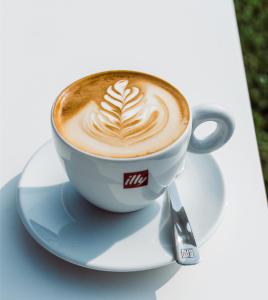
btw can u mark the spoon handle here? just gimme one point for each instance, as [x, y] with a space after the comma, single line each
[185, 248]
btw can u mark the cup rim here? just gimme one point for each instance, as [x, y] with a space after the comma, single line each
[107, 158]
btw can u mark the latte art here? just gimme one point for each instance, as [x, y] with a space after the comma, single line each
[126, 115]
[120, 114]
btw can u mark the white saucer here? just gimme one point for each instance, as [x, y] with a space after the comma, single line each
[70, 227]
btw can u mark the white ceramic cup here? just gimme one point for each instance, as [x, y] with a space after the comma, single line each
[129, 184]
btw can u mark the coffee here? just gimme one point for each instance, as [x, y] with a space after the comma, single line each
[120, 114]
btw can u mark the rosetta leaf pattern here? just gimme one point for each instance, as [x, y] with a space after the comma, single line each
[123, 114]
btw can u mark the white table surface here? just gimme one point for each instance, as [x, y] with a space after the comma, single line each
[194, 45]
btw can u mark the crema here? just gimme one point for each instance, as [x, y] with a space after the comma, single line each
[120, 114]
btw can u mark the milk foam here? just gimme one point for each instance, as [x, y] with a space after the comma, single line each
[125, 116]
[132, 118]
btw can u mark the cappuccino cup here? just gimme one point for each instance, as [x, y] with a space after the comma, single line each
[122, 136]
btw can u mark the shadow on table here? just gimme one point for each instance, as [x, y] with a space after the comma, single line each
[30, 270]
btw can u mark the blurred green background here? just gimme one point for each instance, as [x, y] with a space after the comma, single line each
[252, 18]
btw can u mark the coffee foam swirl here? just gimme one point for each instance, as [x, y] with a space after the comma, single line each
[120, 114]
[125, 116]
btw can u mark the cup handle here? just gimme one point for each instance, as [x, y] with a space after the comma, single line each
[222, 133]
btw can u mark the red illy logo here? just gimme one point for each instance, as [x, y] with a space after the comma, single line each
[135, 179]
